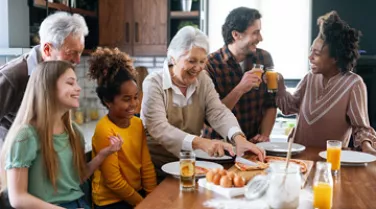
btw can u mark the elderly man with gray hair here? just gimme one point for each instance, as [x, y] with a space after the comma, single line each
[178, 100]
[62, 38]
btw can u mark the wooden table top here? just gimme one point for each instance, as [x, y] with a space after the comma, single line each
[354, 188]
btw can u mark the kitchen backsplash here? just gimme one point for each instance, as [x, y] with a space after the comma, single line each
[91, 107]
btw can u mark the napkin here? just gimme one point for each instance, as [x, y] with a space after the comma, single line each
[305, 202]
[236, 204]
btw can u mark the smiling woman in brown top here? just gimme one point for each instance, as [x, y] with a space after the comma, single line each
[331, 101]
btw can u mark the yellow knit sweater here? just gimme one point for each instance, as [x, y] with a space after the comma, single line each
[125, 172]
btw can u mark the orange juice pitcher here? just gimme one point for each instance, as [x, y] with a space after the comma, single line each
[323, 186]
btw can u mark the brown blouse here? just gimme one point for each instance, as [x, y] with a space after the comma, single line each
[328, 112]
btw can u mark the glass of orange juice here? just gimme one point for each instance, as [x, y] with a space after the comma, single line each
[333, 155]
[272, 78]
[187, 171]
[323, 186]
[259, 74]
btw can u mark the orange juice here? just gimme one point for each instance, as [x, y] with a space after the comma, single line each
[259, 74]
[334, 157]
[322, 196]
[272, 80]
[187, 170]
[187, 174]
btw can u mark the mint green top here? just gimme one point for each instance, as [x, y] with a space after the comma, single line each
[26, 153]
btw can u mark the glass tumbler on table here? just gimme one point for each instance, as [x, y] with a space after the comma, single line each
[333, 155]
[187, 171]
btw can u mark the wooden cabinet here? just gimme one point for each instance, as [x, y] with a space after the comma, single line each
[150, 26]
[138, 27]
[114, 29]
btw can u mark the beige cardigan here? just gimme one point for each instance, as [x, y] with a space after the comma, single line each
[154, 106]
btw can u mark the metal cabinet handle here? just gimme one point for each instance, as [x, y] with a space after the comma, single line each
[136, 33]
[127, 39]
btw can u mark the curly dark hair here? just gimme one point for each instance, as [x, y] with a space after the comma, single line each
[111, 68]
[342, 40]
[239, 20]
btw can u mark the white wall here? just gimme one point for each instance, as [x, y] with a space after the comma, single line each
[14, 24]
[4, 32]
[286, 29]
[218, 10]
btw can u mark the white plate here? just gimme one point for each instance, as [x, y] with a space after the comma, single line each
[278, 137]
[348, 156]
[173, 167]
[281, 147]
[203, 155]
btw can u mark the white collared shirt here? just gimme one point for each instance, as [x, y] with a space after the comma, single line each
[33, 59]
[180, 100]
[242, 66]
[178, 97]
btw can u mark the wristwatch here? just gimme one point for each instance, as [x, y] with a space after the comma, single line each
[232, 140]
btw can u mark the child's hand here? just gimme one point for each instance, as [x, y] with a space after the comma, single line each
[115, 145]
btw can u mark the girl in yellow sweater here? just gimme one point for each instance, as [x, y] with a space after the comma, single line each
[126, 176]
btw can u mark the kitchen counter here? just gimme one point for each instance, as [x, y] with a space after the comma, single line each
[279, 130]
[88, 131]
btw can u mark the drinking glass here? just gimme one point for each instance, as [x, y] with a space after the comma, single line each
[259, 74]
[333, 152]
[272, 77]
[187, 171]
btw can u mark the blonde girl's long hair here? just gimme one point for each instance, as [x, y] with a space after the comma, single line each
[37, 109]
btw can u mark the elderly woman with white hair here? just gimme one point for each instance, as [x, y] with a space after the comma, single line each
[178, 100]
[61, 38]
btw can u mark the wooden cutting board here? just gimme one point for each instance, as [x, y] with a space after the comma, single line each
[248, 175]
